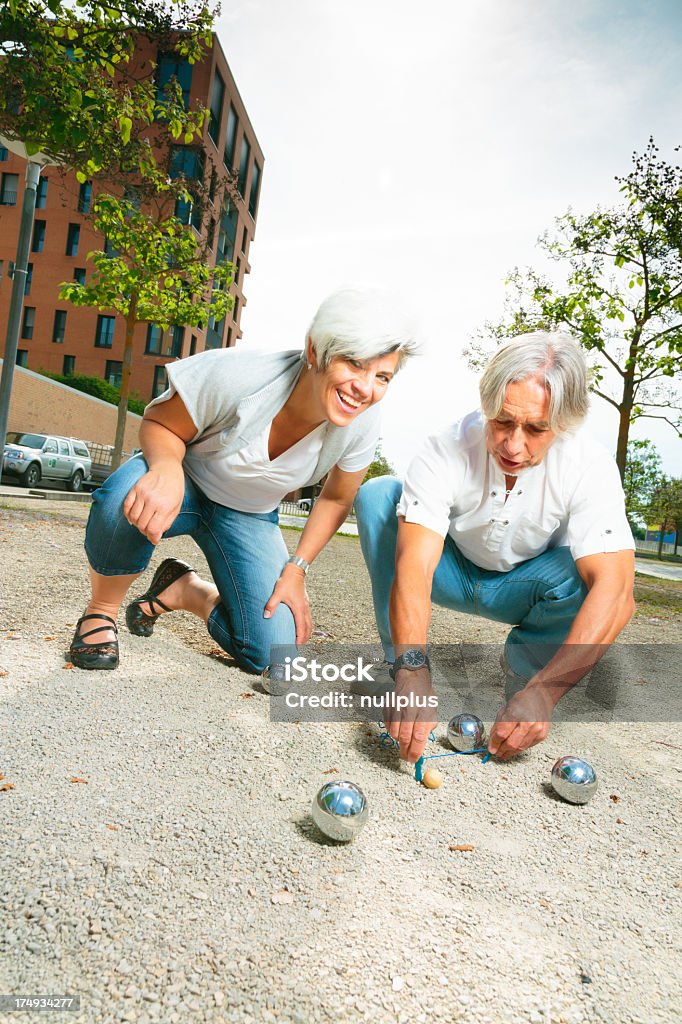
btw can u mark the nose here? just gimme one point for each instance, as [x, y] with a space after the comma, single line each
[515, 441]
[363, 382]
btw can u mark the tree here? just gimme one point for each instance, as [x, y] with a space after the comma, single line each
[623, 293]
[154, 271]
[666, 509]
[68, 87]
[642, 476]
[379, 466]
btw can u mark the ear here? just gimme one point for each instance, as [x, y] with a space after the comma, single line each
[311, 356]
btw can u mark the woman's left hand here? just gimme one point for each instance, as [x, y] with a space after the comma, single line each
[290, 590]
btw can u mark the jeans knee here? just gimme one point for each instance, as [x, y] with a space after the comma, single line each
[378, 498]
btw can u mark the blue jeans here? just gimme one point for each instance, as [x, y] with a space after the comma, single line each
[245, 552]
[540, 597]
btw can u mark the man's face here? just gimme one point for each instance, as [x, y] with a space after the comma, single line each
[520, 436]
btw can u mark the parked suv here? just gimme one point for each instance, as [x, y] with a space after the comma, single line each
[35, 457]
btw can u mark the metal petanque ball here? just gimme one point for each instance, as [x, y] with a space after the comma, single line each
[466, 732]
[574, 780]
[340, 810]
[274, 682]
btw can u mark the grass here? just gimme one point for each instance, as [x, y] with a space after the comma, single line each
[658, 598]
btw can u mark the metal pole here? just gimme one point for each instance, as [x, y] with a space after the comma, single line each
[17, 299]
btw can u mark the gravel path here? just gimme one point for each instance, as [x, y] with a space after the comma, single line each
[181, 879]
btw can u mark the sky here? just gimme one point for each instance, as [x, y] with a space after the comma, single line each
[425, 147]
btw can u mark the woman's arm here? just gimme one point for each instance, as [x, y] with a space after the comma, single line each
[328, 513]
[153, 504]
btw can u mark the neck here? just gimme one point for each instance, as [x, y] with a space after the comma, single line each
[303, 406]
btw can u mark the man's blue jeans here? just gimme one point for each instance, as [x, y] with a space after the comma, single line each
[540, 597]
[245, 553]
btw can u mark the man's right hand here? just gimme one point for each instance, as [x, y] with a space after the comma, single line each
[154, 502]
[411, 725]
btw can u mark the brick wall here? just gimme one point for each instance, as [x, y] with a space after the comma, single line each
[44, 406]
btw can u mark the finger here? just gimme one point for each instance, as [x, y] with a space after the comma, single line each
[130, 500]
[498, 734]
[515, 742]
[301, 626]
[405, 738]
[420, 734]
[273, 602]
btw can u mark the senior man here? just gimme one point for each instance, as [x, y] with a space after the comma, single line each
[512, 516]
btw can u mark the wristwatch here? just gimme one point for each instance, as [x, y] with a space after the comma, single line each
[300, 562]
[412, 659]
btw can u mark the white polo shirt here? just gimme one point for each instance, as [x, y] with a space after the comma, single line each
[572, 498]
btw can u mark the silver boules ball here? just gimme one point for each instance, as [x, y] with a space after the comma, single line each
[574, 780]
[465, 733]
[340, 810]
[274, 682]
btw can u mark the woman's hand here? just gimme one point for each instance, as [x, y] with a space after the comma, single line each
[154, 502]
[290, 590]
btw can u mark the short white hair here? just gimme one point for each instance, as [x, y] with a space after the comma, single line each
[556, 360]
[361, 323]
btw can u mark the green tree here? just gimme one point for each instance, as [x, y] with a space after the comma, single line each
[156, 272]
[622, 297]
[665, 509]
[68, 86]
[642, 476]
[379, 466]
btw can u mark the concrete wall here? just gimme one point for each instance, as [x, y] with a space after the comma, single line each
[45, 406]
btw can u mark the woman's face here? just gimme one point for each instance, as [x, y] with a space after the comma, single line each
[349, 386]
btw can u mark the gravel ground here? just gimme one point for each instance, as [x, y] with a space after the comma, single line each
[157, 855]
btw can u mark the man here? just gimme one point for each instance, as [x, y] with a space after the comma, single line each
[509, 515]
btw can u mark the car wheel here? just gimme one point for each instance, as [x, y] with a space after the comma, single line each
[76, 481]
[32, 475]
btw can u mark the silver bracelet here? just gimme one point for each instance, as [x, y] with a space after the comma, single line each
[300, 562]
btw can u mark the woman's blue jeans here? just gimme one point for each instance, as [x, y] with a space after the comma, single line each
[245, 553]
[540, 597]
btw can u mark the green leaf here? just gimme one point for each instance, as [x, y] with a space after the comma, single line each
[126, 125]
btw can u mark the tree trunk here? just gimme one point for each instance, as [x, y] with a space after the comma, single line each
[131, 321]
[664, 527]
[626, 403]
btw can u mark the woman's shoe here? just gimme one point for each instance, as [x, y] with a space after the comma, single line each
[139, 622]
[95, 656]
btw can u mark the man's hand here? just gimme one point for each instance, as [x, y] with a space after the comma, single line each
[522, 722]
[154, 502]
[411, 724]
[290, 590]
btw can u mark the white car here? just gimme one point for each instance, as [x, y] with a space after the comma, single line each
[32, 458]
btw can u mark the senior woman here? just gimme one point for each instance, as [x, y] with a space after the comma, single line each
[236, 431]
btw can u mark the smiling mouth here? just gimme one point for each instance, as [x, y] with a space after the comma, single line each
[347, 401]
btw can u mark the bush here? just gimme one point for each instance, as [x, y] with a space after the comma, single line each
[96, 387]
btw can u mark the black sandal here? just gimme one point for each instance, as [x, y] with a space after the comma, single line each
[95, 656]
[139, 622]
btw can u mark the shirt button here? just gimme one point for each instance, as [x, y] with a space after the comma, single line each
[415, 502]
[506, 522]
[494, 494]
[607, 531]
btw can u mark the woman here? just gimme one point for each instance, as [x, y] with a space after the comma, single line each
[236, 431]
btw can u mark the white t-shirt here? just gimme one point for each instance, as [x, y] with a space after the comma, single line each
[573, 497]
[249, 481]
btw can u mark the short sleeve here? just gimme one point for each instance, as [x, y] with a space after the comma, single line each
[596, 514]
[361, 452]
[430, 486]
[197, 380]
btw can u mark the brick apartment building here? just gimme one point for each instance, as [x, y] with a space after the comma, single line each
[58, 337]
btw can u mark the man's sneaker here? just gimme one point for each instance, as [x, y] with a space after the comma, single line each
[382, 681]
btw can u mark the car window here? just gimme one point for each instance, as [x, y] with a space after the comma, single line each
[28, 440]
[50, 446]
[64, 448]
[81, 450]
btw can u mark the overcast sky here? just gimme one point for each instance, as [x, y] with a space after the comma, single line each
[424, 147]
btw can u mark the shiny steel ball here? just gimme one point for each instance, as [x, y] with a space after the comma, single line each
[274, 682]
[340, 810]
[574, 780]
[466, 732]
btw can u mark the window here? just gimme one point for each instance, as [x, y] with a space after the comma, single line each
[4, 153]
[72, 238]
[237, 269]
[230, 138]
[154, 340]
[104, 335]
[64, 448]
[245, 240]
[79, 275]
[210, 236]
[38, 236]
[243, 165]
[113, 371]
[133, 196]
[177, 339]
[59, 329]
[9, 189]
[84, 197]
[217, 96]
[235, 309]
[80, 449]
[28, 280]
[170, 66]
[228, 233]
[41, 194]
[229, 337]
[28, 323]
[188, 212]
[109, 249]
[159, 385]
[1, 270]
[192, 345]
[187, 162]
[212, 186]
[22, 357]
[50, 446]
[68, 366]
[253, 195]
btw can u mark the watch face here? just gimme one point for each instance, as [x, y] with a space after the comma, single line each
[414, 659]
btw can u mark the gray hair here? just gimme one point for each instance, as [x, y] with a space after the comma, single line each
[360, 323]
[554, 358]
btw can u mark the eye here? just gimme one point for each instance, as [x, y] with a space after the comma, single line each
[355, 363]
[537, 430]
[383, 378]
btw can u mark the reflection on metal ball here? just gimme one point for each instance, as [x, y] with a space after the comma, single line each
[274, 682]
[340, 810]
[466, 732]
[574, 780]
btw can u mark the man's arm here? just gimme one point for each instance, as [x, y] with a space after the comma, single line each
[418, 552]
[608, 607]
